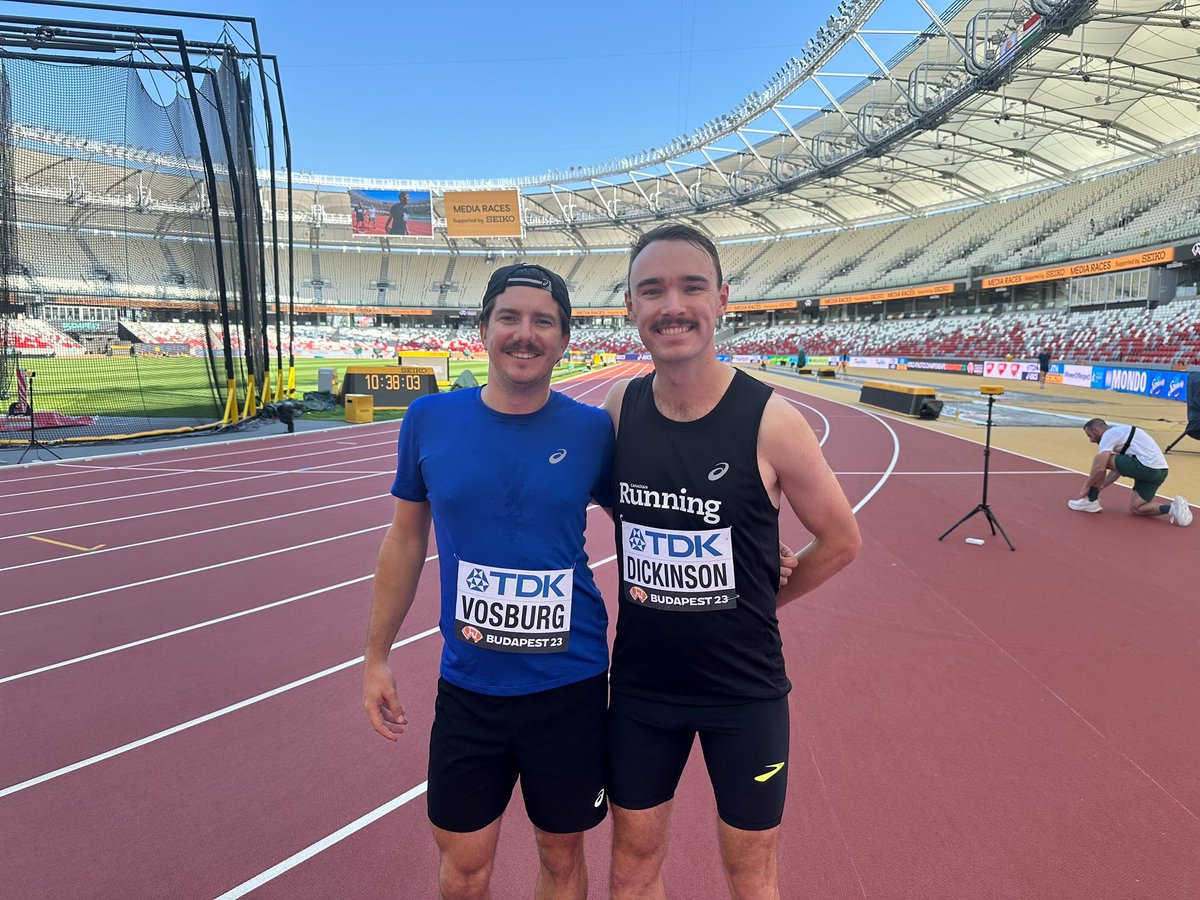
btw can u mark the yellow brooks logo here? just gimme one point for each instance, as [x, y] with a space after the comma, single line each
[771, 770]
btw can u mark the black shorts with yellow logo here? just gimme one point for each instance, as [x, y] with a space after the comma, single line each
[552, 741]
[745, 748]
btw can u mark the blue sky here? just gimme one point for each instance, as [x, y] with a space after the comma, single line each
[477, 90]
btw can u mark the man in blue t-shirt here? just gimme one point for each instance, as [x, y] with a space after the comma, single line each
[506, 474]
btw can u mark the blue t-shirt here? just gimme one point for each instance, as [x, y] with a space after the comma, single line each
[520, 610]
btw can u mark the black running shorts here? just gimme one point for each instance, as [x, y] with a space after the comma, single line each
[745, 749]
[553, 741]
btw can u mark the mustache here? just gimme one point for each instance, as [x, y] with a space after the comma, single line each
[670, 322]
[521, 347]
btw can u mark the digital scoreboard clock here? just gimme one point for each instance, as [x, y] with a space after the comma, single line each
[392, 387]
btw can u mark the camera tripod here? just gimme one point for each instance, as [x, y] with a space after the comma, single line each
[983, 504]
[34, 444]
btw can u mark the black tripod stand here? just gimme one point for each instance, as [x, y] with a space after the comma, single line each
[34, 443]
[983, 504]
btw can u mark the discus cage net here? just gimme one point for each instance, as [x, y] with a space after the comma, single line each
[141, 277]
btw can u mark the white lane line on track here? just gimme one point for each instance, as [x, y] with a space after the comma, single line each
[891, 466]
[241, 704]
[324, 844]
[208, 568]
[256, 446]
[978, 471]
[61, 664]
[605, 380]
[887, 473]
[158, 473]
[825, 433]
[960, 437]
[184, 509]
[248, 471]
[176, 537]
[171, 489]
[330, 840]
[184, 726]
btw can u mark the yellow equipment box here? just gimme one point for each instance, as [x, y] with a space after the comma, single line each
[360, 408]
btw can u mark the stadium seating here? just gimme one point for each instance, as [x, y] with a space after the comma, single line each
[29, 335]
[1169, 335]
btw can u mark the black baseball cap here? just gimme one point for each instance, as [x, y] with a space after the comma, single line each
[528, 275]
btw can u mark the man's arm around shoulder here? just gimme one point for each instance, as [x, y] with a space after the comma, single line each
[397, 571]
[794, 468]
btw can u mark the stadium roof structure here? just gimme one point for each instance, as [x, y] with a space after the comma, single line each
[971, 104]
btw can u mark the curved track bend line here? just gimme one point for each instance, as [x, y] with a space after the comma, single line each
[887, 472]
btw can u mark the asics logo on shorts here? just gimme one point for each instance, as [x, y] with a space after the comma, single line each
[599, 799]
[558, 456]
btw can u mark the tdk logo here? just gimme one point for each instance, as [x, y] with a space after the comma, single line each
[679, 546]
[514, 584]
[477, 581]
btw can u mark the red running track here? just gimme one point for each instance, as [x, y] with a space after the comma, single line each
[182, 717]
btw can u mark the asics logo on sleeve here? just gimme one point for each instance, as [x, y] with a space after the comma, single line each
[558, 456]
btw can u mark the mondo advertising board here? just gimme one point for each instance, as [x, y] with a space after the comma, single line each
[1147, 382]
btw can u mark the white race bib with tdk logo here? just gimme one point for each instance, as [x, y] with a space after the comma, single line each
[685, 571]
[513, 610]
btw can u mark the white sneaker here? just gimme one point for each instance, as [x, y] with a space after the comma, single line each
[1181, 513]
[1083, 504]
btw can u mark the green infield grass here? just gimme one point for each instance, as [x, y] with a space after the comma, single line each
[176, 387]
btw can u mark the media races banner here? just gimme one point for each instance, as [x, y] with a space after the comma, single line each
[395, 213]
[483, 214]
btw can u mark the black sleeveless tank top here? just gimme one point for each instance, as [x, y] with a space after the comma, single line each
[698, 545]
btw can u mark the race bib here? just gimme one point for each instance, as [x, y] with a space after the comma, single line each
[683, 571]
[513, 610]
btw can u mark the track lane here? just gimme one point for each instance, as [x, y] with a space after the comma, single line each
[911, 694]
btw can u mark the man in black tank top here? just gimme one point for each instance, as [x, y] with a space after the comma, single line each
[704, 455]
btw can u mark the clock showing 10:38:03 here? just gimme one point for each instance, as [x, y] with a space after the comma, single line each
[392, 387]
